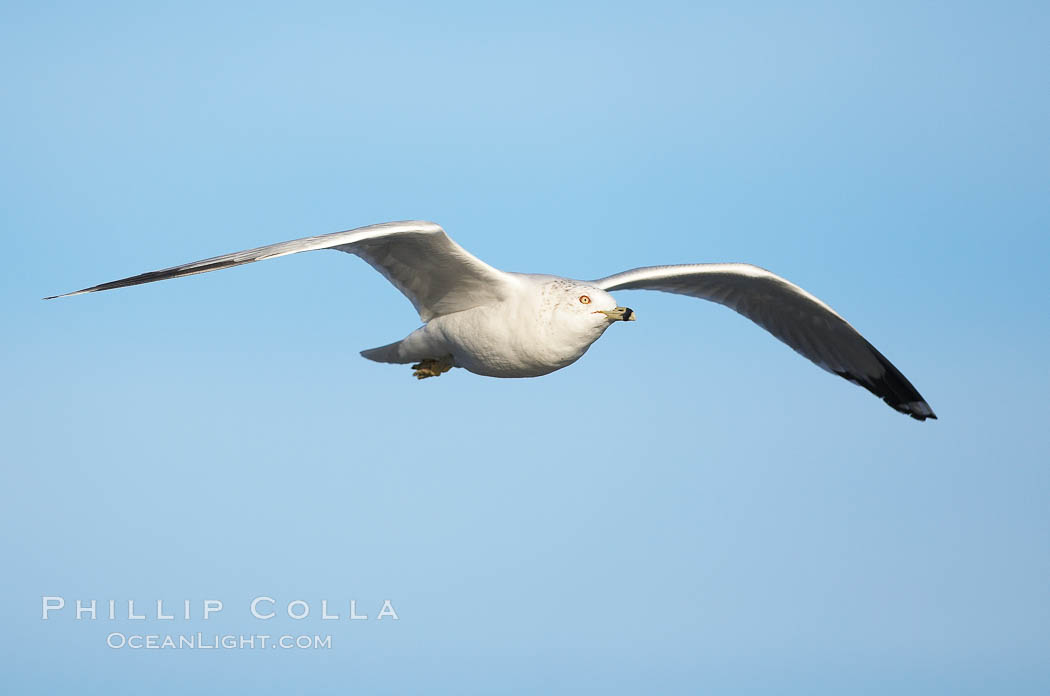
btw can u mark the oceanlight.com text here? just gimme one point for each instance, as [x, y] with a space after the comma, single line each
[213, 641]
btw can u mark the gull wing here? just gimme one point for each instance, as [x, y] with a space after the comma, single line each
[791, 314]
[437, 275]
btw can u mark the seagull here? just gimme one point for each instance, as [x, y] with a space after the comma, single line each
[502, 324]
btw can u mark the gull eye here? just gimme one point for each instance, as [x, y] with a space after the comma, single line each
[585, 299]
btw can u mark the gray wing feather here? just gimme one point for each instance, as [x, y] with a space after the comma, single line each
[437, 275]
[810, 327]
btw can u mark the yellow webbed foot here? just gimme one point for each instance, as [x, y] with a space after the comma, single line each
[432, 367]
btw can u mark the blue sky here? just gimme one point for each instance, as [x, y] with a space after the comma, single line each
[765, 528]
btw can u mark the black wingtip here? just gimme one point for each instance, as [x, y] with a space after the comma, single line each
[896, 391]
[893, 388]
[919, 410]
[70, 294]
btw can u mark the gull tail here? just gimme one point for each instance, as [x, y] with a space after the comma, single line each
[390, 353]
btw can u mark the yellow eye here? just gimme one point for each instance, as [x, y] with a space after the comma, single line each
[584, 299]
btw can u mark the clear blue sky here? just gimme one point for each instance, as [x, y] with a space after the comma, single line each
[690, 508]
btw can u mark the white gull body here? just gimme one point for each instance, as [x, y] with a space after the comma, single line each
[539, 327]
[501, 324]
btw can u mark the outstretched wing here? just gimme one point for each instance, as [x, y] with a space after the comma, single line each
[437, 275]
[791, 314]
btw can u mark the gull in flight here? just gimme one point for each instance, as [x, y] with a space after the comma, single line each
[502, 324]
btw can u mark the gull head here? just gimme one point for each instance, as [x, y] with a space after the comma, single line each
[582, 311]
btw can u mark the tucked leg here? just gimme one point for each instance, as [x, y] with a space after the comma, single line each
[432, 367]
